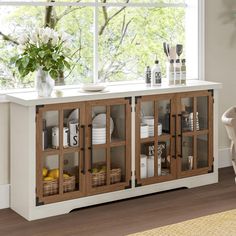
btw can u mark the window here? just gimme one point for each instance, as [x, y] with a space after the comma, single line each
[113, 40]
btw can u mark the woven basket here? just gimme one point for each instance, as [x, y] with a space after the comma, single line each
[115, 176]
[51, 187]
[99, 179]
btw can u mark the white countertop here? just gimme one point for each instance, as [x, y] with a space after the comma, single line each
[117, 91]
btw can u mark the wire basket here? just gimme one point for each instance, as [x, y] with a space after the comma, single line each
[99, 178]
[51, 187]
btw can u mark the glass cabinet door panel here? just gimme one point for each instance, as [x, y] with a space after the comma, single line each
[164, 110]
[147, 159]
[99, 125]
[202, 113]
[187, 154]
[99, 167]
[187, 114]
[50, 130]
[71, 172]
[50, 174]
[163, 158]
[71, 128]
[147, 119]
[118, 123]
[202, 151]
[147, 153]
[118, 165]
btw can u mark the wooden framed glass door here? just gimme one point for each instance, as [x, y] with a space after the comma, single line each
[195, 133]
[155, 139]
[60, 152]
[109, 145]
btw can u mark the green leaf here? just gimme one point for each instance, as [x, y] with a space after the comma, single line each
[13, 60]
[67, 64]
[41, 54]
[55, 56]
[18, 62]
[25, 62]
[54, 74]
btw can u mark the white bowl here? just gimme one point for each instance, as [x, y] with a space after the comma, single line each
[93, 87]
[149, 120]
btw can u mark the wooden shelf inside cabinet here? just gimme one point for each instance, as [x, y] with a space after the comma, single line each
[51, 151]
[162, 137]
[71, 149]
[113, 143]
[197, 132]
[117, 142]
[147, 140]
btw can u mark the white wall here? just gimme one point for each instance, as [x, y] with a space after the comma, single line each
[4, 143]
[221, 54]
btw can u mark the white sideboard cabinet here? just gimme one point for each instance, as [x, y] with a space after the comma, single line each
[83, 149]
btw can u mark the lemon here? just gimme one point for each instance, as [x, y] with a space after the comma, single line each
[66, 176]
[48, 178]
[94, 170]
[104, 168]
[54, 173]
[45, 172]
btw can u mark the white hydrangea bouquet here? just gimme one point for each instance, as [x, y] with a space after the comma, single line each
[44, 49]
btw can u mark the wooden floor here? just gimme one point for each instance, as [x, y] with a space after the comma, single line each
[130, 216]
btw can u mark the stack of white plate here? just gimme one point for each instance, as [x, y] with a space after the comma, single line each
[99, 134]
[99, 128]
[144, 131]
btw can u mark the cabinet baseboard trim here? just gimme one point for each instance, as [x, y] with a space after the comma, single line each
[4, 196]
[224, 158]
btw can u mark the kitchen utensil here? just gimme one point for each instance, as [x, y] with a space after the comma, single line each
[179, 49]
[173, 53]
[166, 50]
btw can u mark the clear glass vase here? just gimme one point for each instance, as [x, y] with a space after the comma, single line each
[44, 84]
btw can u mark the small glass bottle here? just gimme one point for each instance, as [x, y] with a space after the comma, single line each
[148, 76]
[177, 72]
[156, 74]
[183, 72]
[171, 73]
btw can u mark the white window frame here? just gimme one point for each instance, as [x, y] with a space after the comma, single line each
[96, 4]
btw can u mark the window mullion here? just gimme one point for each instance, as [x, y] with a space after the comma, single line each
[95, 44]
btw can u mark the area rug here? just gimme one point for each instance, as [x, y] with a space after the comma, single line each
[220, 224]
